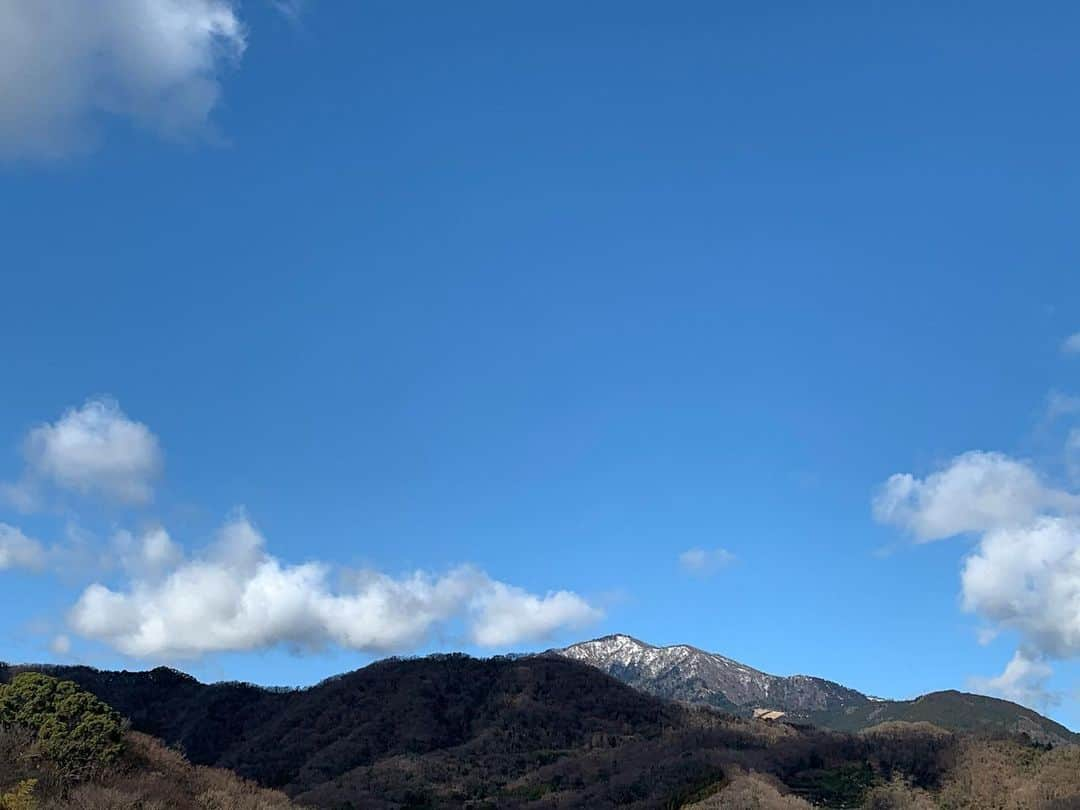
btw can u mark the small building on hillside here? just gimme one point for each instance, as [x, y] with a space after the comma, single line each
[769, 714]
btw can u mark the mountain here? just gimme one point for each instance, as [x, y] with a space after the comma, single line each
[684, 673]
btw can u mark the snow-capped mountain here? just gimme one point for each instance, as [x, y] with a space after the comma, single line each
[682, 672]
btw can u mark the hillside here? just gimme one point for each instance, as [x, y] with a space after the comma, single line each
[62, 748]
[148, 775]
[684, 673]
[538, 732]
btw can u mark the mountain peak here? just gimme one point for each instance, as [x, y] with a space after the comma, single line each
[686, 673]
[615, 640]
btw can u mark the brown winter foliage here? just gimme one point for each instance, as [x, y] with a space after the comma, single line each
[148, 776]
[751, 792]
[1001, 775]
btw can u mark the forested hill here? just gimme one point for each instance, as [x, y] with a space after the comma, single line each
[497, 718]
[451, 731]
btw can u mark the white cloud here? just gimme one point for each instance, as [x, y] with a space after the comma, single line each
[60, 645]
[976, 492]
[19, 551]
[1071, 344]
[65, 63]
[149, 555]
[504, 614]
[1027, 579]
[1022, 576]
[1023, 681]
[703, 562]
[95, 449]
[238, 597]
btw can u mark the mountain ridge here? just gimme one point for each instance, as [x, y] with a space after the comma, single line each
[688, 674]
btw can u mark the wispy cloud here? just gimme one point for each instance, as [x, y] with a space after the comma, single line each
[291, 9]
[1059, 404]
[1023, 681]
[702, 562]
[1071, 344]
[19, 551]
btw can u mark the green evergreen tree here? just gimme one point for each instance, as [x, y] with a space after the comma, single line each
[74, 729]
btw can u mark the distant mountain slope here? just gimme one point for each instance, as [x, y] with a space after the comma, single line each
[957, 711]
[685, 673]
[681, 672]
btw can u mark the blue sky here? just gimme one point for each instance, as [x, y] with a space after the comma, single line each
[536, 299]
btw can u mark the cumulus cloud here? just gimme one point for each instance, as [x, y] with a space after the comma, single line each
[1023, 681]
[703, 562]
[1023, 573]
[1071, 344]
[65, 63]
[1028, 579]
[19, 551]
[976, 492]
[94, 450]
[503, 614]
[237, 597]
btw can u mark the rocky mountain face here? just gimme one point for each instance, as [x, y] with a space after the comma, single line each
[685, 673]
